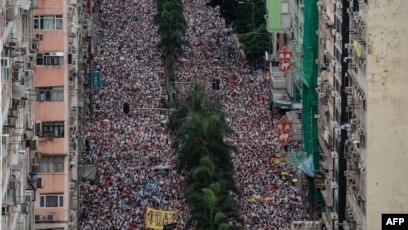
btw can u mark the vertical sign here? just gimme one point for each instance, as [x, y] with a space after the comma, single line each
[95, 80]
[285, 55]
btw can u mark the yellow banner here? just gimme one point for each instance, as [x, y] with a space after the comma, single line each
[156, 219]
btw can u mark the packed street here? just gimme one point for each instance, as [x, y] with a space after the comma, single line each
[136, 165]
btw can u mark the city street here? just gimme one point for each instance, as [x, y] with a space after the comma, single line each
[136, 165]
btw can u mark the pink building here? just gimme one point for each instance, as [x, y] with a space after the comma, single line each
[56, 24]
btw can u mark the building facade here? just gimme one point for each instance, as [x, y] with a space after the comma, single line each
[17, 106]
[362, 106]
[296, 35]
[58, 26]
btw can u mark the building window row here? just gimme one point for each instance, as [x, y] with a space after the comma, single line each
[51, 200]
[50, 93]
[50, 129]
[52, 164]
[50, 59]
[48, 22]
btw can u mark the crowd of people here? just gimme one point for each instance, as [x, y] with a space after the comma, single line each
[271, 199]
[132, 151]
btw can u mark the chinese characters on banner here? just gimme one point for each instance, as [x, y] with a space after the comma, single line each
[284, 130]
[157, 219]
[285, 55]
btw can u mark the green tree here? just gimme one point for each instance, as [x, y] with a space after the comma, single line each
[252, 35]
[255, 43]
[212, 208]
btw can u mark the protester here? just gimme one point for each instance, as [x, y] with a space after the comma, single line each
[133, 154]
[128, 148]
[270, 199]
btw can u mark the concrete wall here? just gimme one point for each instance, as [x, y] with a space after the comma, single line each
[387, 110]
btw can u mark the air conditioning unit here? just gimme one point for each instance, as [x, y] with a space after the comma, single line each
[38, 37]
[34, 47]
[35, 168]
[349, 90]
[333, 184]
[72, 187]
[35, 161]
[51, 218]
[360, 131]
[25, 209]
[361, 96]
[13, 184]
[337, 131]
[34, 144]
[348, 46]
[40, 182]
[5, 62]
[327, 176]
[333, 215]
[334, 155]
[37, 218]
[28, 198]
[333, 31]
[30, 65]
[356, 143]
[11, 121]
[317, 116]
[338, 100]
[339, 5]
[339, 37]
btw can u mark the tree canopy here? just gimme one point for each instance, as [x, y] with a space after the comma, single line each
[200, 130]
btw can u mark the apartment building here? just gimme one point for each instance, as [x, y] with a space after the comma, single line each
[328, 97]
[17, 104]
[58, 83]
[362, 106]
[296, 36]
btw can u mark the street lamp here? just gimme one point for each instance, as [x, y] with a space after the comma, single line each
[253, 12]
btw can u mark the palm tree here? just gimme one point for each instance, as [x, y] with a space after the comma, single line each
[207, 197]
[202, 136]
[196, 101]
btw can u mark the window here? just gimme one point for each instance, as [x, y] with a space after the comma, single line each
[48, 22]
[50, 93]
[52, 164]
[285, 8]
[50, 59]
[53, 129]
[51, 200]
